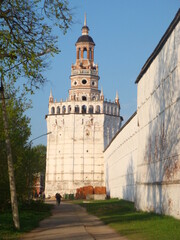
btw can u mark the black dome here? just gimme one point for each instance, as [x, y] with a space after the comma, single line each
[85, 38]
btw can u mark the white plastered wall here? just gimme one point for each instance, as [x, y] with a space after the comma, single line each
[158, 170]
[142, 163]
[121, 161]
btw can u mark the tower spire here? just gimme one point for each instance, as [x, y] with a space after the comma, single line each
[85, 20]
[117, 98]
[51, 99]
[85, 28]
[102, 95]
[51, 93]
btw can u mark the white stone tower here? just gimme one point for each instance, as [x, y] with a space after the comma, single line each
[81, 127]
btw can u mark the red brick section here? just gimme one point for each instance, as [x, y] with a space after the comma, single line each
[82, 192]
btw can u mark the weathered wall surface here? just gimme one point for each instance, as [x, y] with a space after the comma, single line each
[142, 163]
[121, 161]
[158, 169]
[75, 150]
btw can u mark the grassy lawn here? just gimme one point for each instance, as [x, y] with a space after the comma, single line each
[122, 216]
[30, 215]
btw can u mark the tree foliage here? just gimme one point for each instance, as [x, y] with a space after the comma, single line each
[26, 37]
[28, 160]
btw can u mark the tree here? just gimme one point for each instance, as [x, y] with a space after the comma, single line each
[18, 134]
[25, 41]
[29, 164]
[26, 38]
[28, 160]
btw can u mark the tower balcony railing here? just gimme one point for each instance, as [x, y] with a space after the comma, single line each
[84, 71]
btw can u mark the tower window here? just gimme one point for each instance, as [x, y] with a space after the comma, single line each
[91, 109]
[97, 109]
[93, 83]
[69, 108]
[52, 110]
[63, 109]
[84, 81]
[84, 98]
[58, 110]
[85, 53]
[83, 109]
[76, 109]
[75, 83]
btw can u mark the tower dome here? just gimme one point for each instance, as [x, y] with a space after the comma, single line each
[85, 37]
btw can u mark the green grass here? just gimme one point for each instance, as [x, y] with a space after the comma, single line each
[122, 216]
[30, 216]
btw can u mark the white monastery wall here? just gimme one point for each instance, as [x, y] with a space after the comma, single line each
[121, 161]
[142, 163]
[158, 169]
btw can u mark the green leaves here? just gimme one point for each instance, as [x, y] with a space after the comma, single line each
[28, 160]
[26, 33]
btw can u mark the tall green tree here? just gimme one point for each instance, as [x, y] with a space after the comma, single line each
[28, 160]
[25, 40]
[19, 132]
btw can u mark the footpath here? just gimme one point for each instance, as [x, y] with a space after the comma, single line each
[70, 221]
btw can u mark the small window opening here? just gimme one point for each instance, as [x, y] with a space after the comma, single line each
[84, 98]
[83, 109]
[84, 81]
[58, 110]
[90, 109]
[85, 53]
[76, 109]
[63, 109]
[52, 110]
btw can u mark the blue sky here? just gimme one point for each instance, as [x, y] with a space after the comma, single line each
[125, 33]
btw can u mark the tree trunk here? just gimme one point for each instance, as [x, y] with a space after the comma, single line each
[14, 203]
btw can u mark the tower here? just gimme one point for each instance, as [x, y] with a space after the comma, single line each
[81, 127]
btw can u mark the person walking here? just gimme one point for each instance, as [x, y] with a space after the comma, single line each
[58, 198]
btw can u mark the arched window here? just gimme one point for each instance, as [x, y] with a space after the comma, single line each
[69, 108]
[52, 110]
[115, 111]
[79, 53]
[63, 109]
[85, 53]
[58, 110]
[84, 98]
[107, 109]
[91, 109]
[104, 109]
[97, 109]
[111, 110]
[76, 109]
[83, 109]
